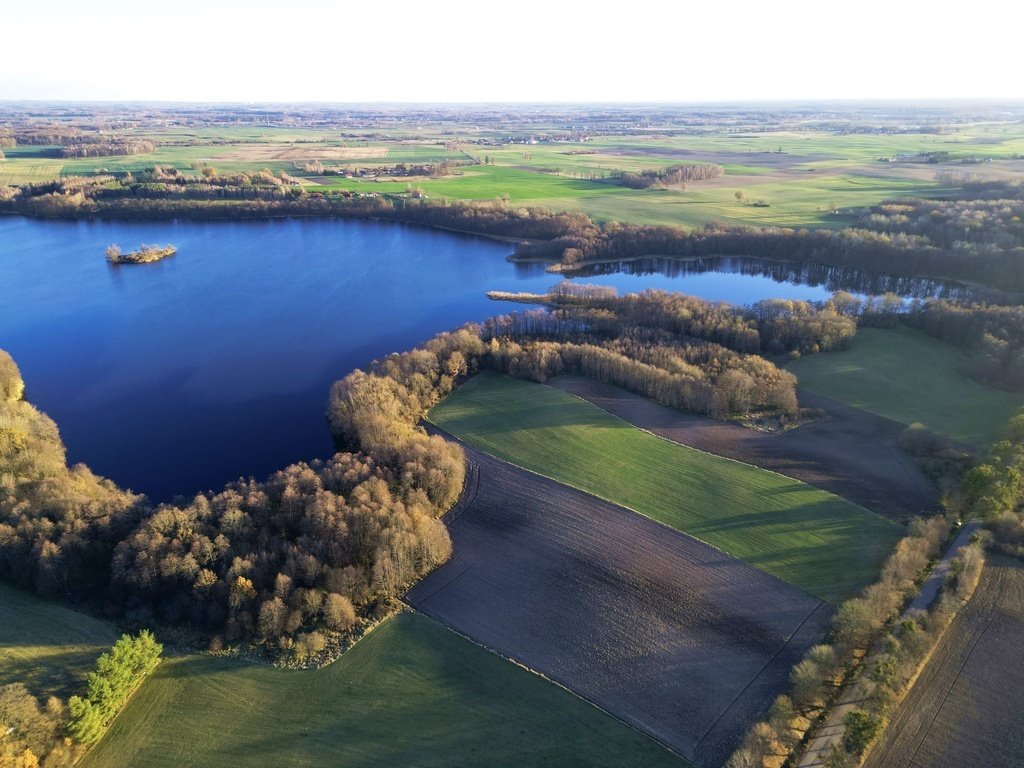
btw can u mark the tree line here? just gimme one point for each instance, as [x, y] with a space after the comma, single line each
[118, 673]
[991, 334]
[888, 240]
[672, 176]
[817, 679]
[772, 325]
[107, 148]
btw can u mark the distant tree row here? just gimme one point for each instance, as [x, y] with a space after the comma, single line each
[673, 176]
[977, 239]
[108, 148]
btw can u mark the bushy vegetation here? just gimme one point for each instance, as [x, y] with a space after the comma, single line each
[145, 254]
[33, 733]
[118, 673]
[994, 489]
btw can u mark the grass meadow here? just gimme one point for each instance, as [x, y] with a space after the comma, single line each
[825, 545]
[48, 648]
[411, 693]
[909, 377]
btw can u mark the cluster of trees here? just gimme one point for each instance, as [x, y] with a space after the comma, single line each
[286, 562]
[994, 489]
[858, 624]
[118, 673]
[45, 135]
[943, 462]
[107, 147]
[772, 325]
[283, 560]
[33, 733]
[993, 335]
[673, 176]
[953, 224]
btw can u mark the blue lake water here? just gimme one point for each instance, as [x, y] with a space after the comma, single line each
[178, 376]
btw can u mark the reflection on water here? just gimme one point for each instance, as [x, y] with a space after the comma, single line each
[856, 281]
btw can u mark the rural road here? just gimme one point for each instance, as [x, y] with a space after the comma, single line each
[930, 588]
[832, 732]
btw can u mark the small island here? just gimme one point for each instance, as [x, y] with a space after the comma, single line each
[145, 254]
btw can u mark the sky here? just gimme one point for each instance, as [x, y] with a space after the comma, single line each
[458, 51]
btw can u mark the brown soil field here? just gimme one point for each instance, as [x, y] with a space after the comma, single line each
[966, 707]
[850, 452]
[299, 152]
[672, 636]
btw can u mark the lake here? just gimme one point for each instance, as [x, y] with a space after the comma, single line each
[215, 363]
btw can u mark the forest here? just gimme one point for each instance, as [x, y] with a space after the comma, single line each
[283, 563]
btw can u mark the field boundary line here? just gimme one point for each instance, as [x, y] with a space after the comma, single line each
[447, 584]
[709, 453]
[553, 681]
[725, 710]
[641, 514]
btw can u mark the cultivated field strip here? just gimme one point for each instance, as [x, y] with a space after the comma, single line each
[965, 708]
[669, 634]
[851, 453]
[820, 542]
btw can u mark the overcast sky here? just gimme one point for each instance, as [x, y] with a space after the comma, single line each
[402, 50]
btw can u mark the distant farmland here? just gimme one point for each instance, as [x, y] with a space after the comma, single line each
[965, 708]
[819, 542]
[412, 693]
[667, 633]
[910, 377]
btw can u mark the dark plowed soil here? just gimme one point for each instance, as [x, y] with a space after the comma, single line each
[967, 707]
[850, 452]
[672, 636]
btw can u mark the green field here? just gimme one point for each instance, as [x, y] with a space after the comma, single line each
[803, 176]
[411, 693]
[906, 376]
[821, 543]
[47, 647]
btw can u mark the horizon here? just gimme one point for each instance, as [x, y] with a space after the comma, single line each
[461, 54]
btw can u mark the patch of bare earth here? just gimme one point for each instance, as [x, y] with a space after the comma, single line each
[966, 707]
[299, 152]
[850, 452]
[670, 635]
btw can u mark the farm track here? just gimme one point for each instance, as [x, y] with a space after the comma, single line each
[851, 453]
[965, 708]
[668, 634]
